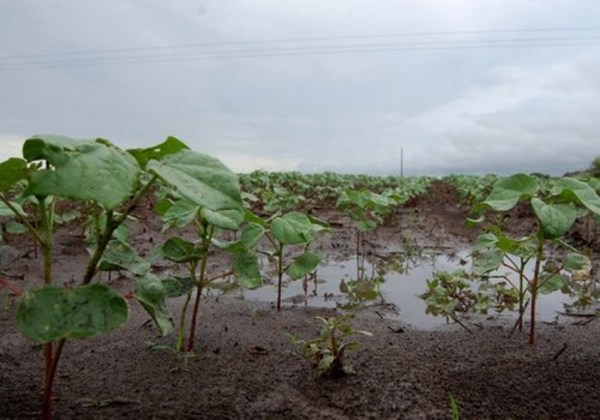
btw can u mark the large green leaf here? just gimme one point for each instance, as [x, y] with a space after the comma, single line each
[151, 294]
[52, 313]
[580, 192]
[507, 192]
[555, 219]
[85, 171]
[12, 171]
[168, 147]
[293, 228]
[304, 264]
[205, 181]
[50, 147]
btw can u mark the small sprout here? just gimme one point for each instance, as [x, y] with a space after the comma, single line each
[327, 352]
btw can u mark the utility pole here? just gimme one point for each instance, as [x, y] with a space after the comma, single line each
[402, 162]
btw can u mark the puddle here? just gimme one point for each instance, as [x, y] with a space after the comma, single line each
[401, 290]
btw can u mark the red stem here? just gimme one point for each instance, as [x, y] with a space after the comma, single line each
[14, 289]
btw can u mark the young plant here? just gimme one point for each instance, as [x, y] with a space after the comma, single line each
[367, 210]
[206, 195]
[290, 230]
[327, 352]
[556, 209]
[52, 167]
[112, 181]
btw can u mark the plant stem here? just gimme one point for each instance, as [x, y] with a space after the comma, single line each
[534, 288]
[521, 295]
[207, 234]
[279, 274]
[181, 333]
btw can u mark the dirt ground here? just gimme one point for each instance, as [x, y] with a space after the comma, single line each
[244, 368]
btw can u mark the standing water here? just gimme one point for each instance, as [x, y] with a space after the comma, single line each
[399, 291]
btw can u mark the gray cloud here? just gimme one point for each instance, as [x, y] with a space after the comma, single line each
[471, 110]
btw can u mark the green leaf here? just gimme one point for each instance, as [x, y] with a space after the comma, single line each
[5, 211]
[486, 261]
[181, 251]
[251, 235]
[16, 228]
[574, 190]
[576, 262]
[52, 313]
[168, 147]
[551, 285]
[485, 241]
[85, 171]
[205, 181]
[366, 225]
[12, 171]
[507, 192]
[224, 219]
[120, 255]
[304, 264]
[151, 294]
[246, 269]
[175, 287]
[293, 228]
[45, 146]
[180, 214]
[555, 219]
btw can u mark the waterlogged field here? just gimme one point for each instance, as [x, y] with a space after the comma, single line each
[399, 293]
[268, 291]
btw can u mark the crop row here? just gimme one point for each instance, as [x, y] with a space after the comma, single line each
[199, 192]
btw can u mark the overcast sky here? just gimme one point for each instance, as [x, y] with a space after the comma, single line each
[469, 86]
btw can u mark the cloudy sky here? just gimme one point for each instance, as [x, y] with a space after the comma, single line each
[470, 86]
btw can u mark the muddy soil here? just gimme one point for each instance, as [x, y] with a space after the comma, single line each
[244, 366]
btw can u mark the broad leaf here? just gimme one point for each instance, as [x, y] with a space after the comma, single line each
[304, 264]
[180, 214]
[485, 241]
[181, 251]
[576, 262]
[12, 171]
[555, 219]
[251, 235]
[580, 192]
[205, 181]
[168, 147]
[551, 285]
[486, 261]
[246, 269]
[175, 287]
[151, 294]
[507, 192]
[5, 211]
[293, 228]
[86, 171]
[121, 256]
[52, 313]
